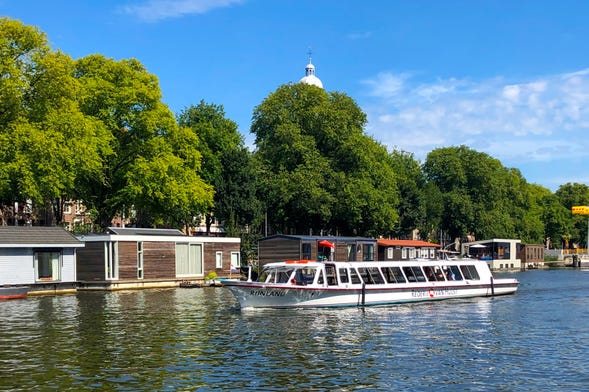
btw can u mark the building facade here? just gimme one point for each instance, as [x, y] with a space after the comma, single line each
[139, 258]
[43, 258]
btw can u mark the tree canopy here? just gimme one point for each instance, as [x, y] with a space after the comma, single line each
[154, 165]
[320, 172]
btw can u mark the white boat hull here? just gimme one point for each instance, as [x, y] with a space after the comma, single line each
[255, 295]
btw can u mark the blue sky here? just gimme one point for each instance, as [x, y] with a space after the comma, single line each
[508, 78]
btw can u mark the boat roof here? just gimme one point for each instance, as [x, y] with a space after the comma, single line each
[375, 263]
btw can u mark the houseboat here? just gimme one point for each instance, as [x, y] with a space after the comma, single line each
[306, 283]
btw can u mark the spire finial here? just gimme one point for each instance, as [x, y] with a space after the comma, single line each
[309, 52]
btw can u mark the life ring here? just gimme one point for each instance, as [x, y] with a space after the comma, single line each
[431, 293]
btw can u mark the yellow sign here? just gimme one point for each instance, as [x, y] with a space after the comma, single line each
[581, 210]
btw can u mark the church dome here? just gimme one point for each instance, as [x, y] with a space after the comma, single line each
[310, 77]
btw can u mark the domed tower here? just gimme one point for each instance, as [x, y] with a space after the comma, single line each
[310, 77]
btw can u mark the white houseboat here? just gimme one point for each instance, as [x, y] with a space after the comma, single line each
[305, 283]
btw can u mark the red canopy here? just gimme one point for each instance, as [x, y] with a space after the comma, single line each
[326, 244]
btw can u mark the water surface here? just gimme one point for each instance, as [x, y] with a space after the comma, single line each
[198, 339]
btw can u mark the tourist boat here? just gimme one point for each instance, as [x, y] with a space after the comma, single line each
[12, 292]
[306, 283]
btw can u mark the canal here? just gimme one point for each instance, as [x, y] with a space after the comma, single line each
[199, 340]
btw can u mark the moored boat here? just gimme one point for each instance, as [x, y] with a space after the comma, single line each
[305, 283]
[13, 292]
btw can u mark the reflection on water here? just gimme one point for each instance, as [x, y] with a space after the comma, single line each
[198, 339]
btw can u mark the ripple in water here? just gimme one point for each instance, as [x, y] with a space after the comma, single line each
[198, 339]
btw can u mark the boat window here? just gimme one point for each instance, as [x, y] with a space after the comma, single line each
[434, 273]
[354, 276]
[470, 272]
[453, 273]
[266, 276]
[398, 274]
[375, 274]
[283, 276]
[320, 277]
[414, 274]
[429, 273]
[409, 274]
[343, 275]
[390, 275]
[370, 275]
[304, 276]
[330, 272]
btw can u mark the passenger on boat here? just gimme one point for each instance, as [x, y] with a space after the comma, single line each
[449, 273]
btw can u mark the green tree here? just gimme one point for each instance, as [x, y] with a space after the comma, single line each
[557, 221]
[575, 194]
[412, 198]
[320, 172]
[153, 168]
[479, 195]
[227, 165]
[46, 142]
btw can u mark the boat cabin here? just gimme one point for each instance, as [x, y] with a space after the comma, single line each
[307, 272]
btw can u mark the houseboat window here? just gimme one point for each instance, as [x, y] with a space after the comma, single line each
[469, 272]
[423, 253]
[188, 259]
[343, 275]
[351, 252]
[306, 251]
[390, 252]
[235, 260]
[111, 259]
[432, 253]
[139, 260]
[219, 259]
[355, 278]
[368, 252]
[411, 253]
[414, 274]
[404, 253]
[48, 266]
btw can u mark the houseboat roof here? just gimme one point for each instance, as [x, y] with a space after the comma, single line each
[408, 243]
[143, 231]
[37, 236]
[318, 238]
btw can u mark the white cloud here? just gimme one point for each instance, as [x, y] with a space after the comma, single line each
[155, 10]
[542, 119]
[359, 36]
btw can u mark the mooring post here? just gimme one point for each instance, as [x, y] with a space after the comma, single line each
[492, 287]
[363, 293]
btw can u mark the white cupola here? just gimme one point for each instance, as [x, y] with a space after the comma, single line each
[310, 77]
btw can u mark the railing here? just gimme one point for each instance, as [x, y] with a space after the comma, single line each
[576, 251]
